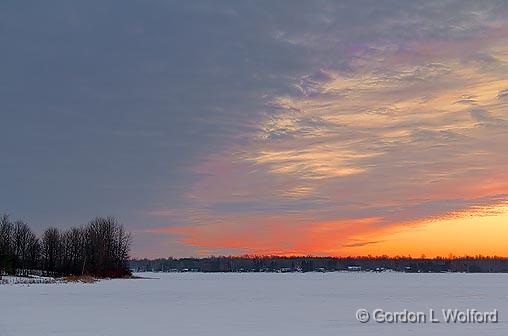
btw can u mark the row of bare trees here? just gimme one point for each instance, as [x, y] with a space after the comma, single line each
[101, 248]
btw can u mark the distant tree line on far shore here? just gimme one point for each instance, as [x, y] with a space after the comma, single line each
[100, 248]
[475, 264]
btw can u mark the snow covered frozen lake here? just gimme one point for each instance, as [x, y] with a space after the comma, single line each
[250, 304]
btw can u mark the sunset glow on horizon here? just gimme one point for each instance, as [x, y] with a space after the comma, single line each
[476, 232]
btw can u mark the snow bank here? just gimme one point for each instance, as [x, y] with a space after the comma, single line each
[14, 280]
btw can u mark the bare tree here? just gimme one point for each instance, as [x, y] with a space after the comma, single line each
[73, 250]
[122, 247]
[22, 237]
[107, 247]
[51, 249]
[6, 249]
[33, 252]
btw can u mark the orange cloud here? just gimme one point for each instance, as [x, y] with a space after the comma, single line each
[461, 233]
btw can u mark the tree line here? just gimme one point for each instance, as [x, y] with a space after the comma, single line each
[100, 248]
[323, 264]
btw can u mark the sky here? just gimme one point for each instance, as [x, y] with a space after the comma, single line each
[260, 127]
